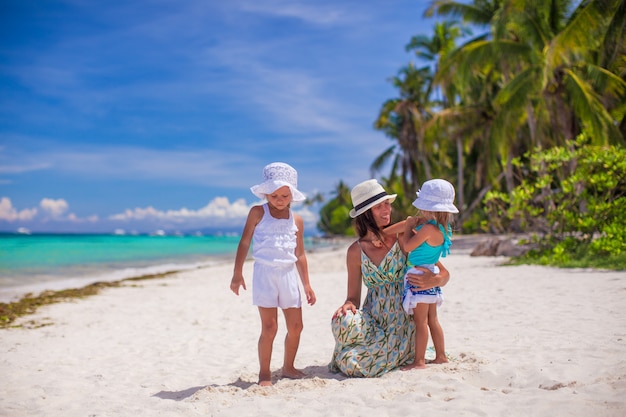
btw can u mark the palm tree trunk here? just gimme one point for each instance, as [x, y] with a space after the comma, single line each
[508, 174]
[532, 124]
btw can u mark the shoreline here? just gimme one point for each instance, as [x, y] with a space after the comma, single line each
[19, 301]
[13, 293]
[75, 277]
[16, 293]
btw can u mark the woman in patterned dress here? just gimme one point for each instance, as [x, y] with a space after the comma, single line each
[380, 336]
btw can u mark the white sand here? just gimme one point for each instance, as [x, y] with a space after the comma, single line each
[527, 341]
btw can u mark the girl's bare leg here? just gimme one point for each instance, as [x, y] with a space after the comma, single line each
[269, 328]
[293, 318]
[436, 332]
[420, 317]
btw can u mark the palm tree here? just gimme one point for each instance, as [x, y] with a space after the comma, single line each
[480, 13]
[548, 90]
[403, 119]
[611, 56]
[467, 114]
[544, 71]
[421, 151]
[557, 75]
[469, 124]
[436, 49]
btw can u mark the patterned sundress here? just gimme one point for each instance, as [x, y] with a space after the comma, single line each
[380, 336]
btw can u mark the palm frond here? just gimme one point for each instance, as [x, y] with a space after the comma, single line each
[589, 109]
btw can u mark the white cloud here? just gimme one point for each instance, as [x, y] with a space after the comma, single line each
[50, 209]
[218, 212]
[14, 161]
[218, 209]
[289, 99]
[9, 213]
[318, 14]
[113, 162]
[54, 208]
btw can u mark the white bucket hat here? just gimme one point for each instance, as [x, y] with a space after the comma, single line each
[366, 195]
[436, 195]
[276, 175]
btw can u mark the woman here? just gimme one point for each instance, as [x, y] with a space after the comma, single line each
[380, 336]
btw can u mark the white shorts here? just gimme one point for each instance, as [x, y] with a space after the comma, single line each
[410, 300]
[275, 286]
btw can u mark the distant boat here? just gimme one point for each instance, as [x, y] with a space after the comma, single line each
[23, 231]
[159, 233]
[119, 232]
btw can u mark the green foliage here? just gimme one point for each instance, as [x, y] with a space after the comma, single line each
[475, 222]
[570, 254]
[539, 74]
[572, 199]
[335, 219]
[335, 215]
[402, 205]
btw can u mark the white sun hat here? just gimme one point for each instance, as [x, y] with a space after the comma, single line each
[436, 195]
[366, 195]
[276, 175]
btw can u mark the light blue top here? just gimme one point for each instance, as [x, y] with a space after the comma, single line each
[427, 254]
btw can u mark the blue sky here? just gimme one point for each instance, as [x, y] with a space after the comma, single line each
[146, 115]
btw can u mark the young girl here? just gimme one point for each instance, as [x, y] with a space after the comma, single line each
[279, 259]
[425, 245]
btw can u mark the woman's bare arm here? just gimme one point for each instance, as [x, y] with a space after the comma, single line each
[428, 279]
[353, 297]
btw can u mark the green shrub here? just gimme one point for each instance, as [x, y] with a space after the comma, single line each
[572, 200]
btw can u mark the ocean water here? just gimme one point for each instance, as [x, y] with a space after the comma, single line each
[32, 263]
[38, 262]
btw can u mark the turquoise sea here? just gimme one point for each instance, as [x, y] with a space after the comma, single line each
[56, 261]
[37, 262]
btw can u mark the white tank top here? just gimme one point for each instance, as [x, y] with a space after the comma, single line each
[274, 240]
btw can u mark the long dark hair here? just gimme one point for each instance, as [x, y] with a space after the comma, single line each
[366, 222]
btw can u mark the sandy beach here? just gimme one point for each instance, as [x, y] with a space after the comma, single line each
[525, 341]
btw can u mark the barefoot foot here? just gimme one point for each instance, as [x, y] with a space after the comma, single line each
[265, 379]
[293, 373]
[415, 365]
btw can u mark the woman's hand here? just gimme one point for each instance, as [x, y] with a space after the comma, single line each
[424, 281]
[347, 306]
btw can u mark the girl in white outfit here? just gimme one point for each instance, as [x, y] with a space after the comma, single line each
[279, 259]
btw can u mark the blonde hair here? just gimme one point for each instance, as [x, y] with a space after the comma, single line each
[443, 218]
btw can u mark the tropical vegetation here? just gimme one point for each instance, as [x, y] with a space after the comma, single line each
[499, 87]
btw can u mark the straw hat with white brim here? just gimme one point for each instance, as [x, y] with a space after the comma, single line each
[366, 195]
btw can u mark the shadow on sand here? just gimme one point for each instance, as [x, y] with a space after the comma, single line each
[320, 372]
